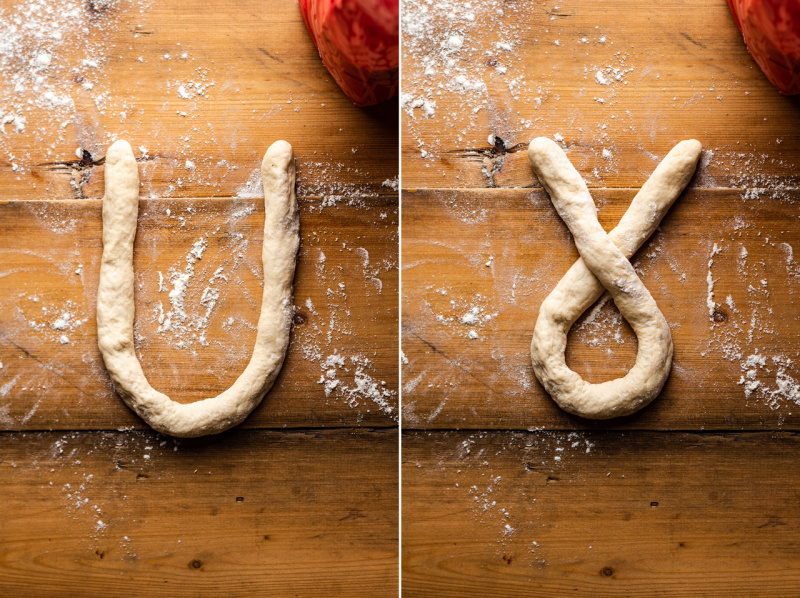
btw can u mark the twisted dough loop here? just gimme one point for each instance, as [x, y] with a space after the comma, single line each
[115, 304]
[604, 265]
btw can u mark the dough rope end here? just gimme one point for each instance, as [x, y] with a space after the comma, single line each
[278, 156]
[119, 150]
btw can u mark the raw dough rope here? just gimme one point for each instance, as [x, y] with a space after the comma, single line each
[604, 264]
[115, 305]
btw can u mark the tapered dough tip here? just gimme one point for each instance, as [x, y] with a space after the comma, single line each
[119, 149]
[279, 153]
[691, 147]
[539, 145]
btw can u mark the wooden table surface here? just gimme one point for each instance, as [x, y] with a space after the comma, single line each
[504, 494]
[301, 499]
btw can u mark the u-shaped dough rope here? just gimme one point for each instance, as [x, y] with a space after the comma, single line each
[115, 307]
[604, 264]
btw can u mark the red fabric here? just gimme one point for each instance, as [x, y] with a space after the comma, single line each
[358, 41]
[771, 30]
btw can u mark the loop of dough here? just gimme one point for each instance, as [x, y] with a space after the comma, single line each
[604, 264]
[115, 306]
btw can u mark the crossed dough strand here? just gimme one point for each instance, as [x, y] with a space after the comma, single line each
[115, 304]
[604, 264]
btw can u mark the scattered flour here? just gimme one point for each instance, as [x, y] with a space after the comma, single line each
[52, 58]
[745, 326]
[362, 388]
[183, 326]
[537, 456]
[710, 304]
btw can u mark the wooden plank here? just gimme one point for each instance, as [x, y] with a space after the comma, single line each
[682, 71]
[600, 514]
[248, 513]
[200, 91]
[501, 252]
[346, 286]
[211, 82]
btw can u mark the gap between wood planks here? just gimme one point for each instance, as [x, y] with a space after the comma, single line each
[590, 187]
[241, 428]
[303, 430]
[599, 431]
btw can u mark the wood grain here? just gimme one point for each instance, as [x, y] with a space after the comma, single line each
[303, 512]
[592, 510]
[453, 381]
[347, 274]
[264, 81]
[600, 514]
[247, 513]
[684, 73]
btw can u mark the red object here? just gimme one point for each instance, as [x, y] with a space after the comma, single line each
[771, 30]
[358, 41]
